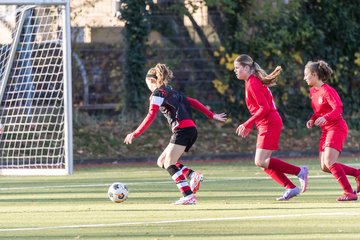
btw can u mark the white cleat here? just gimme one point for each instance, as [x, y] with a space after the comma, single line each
[187, 200]
[195, 181]
[289, 193]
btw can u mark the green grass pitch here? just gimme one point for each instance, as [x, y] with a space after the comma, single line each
[235, 201]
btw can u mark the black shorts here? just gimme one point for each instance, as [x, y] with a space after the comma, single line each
[184, 137]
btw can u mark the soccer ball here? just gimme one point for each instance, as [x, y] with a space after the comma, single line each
[118, 192]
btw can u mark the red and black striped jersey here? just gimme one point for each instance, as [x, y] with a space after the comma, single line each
[175, 106]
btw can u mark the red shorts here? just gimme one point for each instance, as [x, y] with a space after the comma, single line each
[269, 132]
[334, 138]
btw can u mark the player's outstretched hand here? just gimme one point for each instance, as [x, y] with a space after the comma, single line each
[128, 139]
[220, 117]
[242, 131]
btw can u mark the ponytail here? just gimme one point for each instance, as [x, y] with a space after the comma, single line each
[163, 74]
[267, 79]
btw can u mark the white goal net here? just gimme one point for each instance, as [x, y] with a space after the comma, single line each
[35, 88]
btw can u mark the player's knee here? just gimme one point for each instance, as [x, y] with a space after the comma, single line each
[160, 164]
[325, 169]
[259, 163]
[325, 166]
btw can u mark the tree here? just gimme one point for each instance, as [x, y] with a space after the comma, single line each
[135, 15]
[290, 33]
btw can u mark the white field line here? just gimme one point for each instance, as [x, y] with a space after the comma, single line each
[353, 164]
[144, 183]
[183, 221]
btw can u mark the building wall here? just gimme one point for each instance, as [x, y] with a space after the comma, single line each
[94, 21]
[7, 23]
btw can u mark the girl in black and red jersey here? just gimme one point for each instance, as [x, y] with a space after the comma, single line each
[177, 109]
[327, 107]
[265, 116]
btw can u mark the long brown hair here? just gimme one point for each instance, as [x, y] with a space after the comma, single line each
[267, 79]
[321, 68]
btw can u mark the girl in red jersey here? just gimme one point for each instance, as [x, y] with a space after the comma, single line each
[177, 109]
[265, 116]
[327, 107]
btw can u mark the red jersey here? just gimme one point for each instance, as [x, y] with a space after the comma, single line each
[259, 101]
[325, 102]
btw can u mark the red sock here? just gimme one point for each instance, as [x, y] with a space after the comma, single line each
[280, 166]
[280, 178]
[350, 170]
[338, 172]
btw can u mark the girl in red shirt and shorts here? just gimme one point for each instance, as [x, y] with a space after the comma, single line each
[265, 116]
[327, 107]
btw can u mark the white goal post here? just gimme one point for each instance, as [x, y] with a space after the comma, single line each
[35, 88]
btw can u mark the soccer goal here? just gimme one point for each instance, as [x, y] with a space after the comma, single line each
[35, 88]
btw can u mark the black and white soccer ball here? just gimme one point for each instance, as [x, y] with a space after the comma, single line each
[118, 192]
